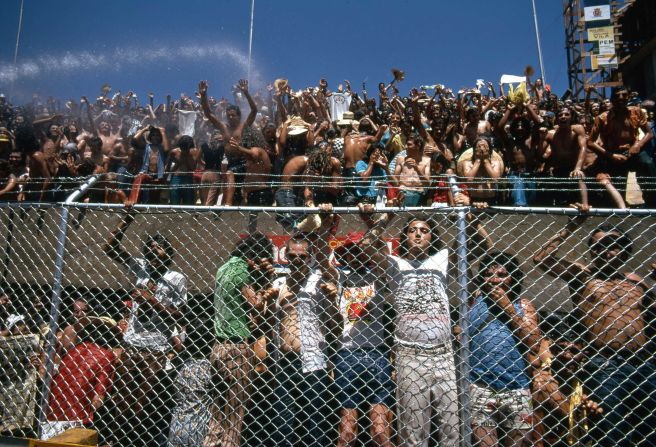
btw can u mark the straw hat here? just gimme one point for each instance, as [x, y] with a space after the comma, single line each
[347, 119]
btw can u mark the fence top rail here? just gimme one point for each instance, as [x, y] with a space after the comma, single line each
[71, 203]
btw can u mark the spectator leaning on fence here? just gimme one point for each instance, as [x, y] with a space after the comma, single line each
[363, 370]
[242, 294]
[158, 302]
[503, 326]
[425, 367]
[306, 311]
[616, 310]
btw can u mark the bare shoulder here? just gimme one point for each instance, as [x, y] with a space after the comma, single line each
[636, 279]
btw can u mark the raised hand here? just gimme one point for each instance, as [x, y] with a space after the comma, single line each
[202, 88]
[242, 85]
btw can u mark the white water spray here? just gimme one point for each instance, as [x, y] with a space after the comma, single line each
[119, 59]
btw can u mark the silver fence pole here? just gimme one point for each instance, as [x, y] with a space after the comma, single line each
[463, 366]
[55, 305]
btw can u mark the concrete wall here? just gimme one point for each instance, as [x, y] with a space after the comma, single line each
[204, 241]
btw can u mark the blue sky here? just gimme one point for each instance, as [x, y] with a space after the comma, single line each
[72, 47]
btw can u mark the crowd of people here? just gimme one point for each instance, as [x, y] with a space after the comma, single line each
[518, 145]
[352, 335]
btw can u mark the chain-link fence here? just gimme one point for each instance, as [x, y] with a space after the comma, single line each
[199, 326]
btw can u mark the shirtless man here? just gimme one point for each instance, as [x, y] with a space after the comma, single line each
[616, 309]
[307, 312]
[620, 147]
[412, 171]
[565, 150]
[108, 137]
[95, 153]
[53, 143]
[233, 129]
[104, 131]
[475, 127]
[482, 169]
[181, 163]
[257, 180]
[355, 147]
[40, 178]
[304, 171]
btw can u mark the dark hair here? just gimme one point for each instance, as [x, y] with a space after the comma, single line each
[483, 138]
[4, 165]
[617, 90]
[414, 136]
[510, 263]
[436, 243]
[185, 143]
[95, 142]
[86, 168]
[438, 157]
[236, 109]
[101, 334]
[154, 131]
[254, 246]
[300, 238]
[318, 161]
[163, 242]
[371, 150]
[26, 139]
[623, 239]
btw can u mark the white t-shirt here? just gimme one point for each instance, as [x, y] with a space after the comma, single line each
[147, 327]
[338, 104]
[187, 122]
[418, 289]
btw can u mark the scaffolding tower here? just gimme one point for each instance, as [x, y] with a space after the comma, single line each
[580, 71]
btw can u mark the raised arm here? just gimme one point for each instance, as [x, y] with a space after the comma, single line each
[322, 255]
[113, 247]
[372, 242]
[242, 85]
[545, 259]
[205, 105]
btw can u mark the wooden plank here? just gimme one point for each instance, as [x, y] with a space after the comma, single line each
[73, 437]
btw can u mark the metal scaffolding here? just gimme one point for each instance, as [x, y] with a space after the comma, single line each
[580, 72]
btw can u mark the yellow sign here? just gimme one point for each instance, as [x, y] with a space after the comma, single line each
[601, 33]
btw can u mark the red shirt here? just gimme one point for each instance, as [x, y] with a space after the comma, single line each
[441, 191]
[85, 372]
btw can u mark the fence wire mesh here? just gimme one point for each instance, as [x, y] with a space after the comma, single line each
[452, 326]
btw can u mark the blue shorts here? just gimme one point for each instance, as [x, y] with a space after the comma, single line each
[363, 376]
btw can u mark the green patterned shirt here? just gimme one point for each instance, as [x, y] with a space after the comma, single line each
[230, 308]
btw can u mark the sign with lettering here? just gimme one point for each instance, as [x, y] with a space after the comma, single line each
[607, 47]
[601, 33]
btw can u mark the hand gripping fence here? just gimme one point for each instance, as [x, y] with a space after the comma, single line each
[206, 326]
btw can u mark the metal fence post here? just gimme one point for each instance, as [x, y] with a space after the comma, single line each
[463, 355]
[55, 305]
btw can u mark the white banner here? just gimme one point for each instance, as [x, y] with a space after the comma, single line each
[601, 12]
[512, 79]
